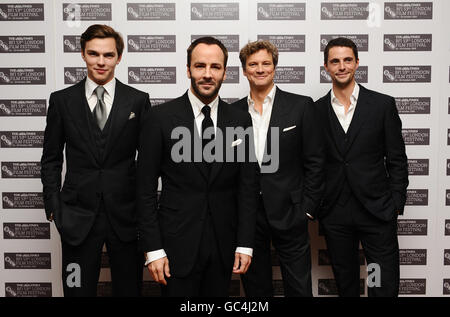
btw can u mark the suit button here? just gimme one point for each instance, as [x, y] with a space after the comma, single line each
[346, 163]
[346, 139]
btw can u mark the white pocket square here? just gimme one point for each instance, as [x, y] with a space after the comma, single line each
[237, 142]
[290, 128]
[132, 115]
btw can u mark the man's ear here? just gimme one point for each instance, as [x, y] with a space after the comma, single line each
[188, 71]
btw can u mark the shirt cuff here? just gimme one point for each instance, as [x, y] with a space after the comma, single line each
[154, 255]
[247, 251]
[309, 216]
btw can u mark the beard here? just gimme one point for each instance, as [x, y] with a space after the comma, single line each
[206, 96]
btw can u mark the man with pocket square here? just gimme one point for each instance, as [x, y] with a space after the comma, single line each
[97, 122]
[290, 195]
[202, 228]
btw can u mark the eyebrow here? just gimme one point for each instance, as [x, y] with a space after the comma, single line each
[106, 53]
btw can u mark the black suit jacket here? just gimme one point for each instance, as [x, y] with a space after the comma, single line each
[229, 193]
[88, 177]
[372, 156]
[296, 187]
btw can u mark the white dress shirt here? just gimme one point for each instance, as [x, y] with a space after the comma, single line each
[197, 106]
[345, 118]
[108, 97]
[261, 122]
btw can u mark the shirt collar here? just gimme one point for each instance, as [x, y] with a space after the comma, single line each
[267, 100]
[197, 104]
[353, 98]
[90, 86]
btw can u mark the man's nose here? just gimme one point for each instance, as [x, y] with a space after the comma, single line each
[207, 72]
[101, 60]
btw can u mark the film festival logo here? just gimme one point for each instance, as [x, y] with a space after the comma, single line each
[371, 12]
[5, 109]
[133, 44]
[446, 290]
[196, 12]
[70, 45]
[213, 150]
[4, 46]
[263, 12]
[133, 76]
[5, 78]
[133, 13]
[10, 262]
[73, 15]
[8, 201]
[3, 14]
[324, 74]
[6, 140]
[390, 12]
[10, 291]
[389, 76]
[9, 232]
[391, 45]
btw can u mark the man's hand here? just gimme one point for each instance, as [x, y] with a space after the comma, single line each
[241, 263]
[50, 218]
[158, 269]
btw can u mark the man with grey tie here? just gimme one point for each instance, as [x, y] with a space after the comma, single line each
[97, 122]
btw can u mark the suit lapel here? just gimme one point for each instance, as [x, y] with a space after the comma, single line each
[119, 115]
[184, 117]
[362, 112]
[335, 128]
[78, 109]
[223, 121]
[280, 109]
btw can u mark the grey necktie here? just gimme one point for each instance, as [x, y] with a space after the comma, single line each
[100, 114]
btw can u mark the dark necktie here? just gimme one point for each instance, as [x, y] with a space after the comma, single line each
[100, 114]
[206, 123]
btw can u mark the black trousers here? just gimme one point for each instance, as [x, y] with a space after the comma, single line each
[344, 227]
[293, 250]
[209, 277]
[125, 259]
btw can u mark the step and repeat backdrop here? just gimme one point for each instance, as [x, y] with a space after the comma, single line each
[404, 52]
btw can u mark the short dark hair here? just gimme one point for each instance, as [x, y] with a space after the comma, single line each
[101, 31]
[208, 40]
[340, 41]
[254, 47]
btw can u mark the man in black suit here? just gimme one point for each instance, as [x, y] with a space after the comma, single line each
[98, 122]
[205, 218]
[290, 194]
[366, 176]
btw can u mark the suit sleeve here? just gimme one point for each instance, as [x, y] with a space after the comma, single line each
[247, 195]
[148, 170]
[52, 158]
[395, 156]
[313, 159]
